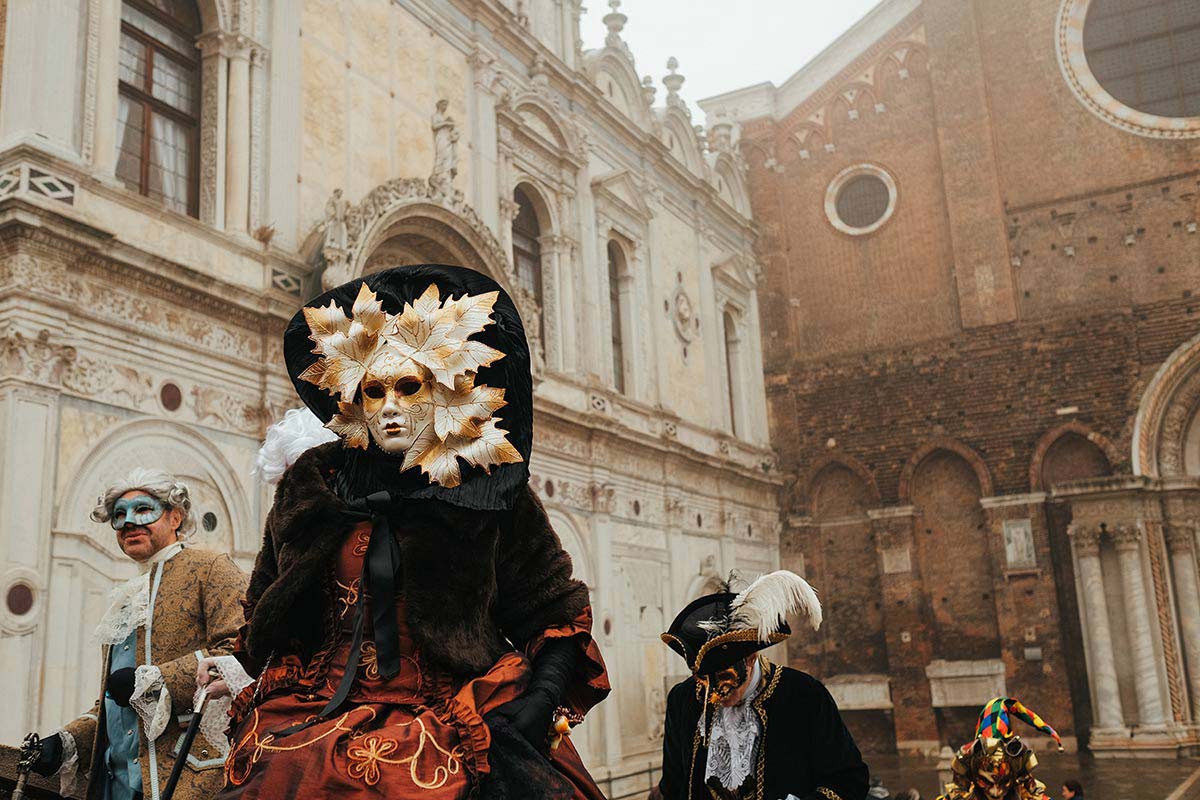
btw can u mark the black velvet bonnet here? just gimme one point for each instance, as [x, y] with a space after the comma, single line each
[371, 470]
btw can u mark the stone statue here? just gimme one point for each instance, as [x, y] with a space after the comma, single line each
[336, 235]
[445, 151]
[337, 240]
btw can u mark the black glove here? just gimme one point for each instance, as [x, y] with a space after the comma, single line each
[120, 686]
[531, 713]
[51, 757]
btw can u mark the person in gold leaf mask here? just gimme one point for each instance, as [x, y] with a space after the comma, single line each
[412, 617]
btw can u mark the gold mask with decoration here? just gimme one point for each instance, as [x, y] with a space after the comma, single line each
[723, 683]
[407, 381]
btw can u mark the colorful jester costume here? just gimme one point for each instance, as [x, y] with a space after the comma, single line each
[996, 764]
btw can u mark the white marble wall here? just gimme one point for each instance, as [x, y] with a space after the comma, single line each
[652, 493]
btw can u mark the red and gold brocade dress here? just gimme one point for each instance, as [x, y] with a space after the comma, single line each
[418, 734]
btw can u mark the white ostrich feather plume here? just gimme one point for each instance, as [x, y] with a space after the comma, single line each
[766, 603]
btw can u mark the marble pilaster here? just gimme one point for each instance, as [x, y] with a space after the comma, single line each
[237, 142]
[1102, 667]
[1181, 544]
[1151, 713]
[108, 44]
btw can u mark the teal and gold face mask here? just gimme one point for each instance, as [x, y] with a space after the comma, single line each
[139, 510]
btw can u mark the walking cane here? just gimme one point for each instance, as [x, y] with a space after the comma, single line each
[188, 737]
[31, 750]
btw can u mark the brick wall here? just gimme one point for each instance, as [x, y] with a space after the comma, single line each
[931, 384]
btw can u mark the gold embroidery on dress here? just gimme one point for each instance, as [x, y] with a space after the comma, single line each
[347, 596]
[370, 661]
[829, 793]
[367, 753]
[361, 540]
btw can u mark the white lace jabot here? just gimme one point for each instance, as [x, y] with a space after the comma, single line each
[734, 737]
[130, 601]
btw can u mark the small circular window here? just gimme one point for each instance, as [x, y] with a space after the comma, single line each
[860, 199]
[1134, 63]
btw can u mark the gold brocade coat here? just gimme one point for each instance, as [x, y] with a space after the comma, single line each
[195, 611]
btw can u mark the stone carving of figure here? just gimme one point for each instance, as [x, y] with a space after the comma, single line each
[337, 240]
[336, 235]
[445, 151]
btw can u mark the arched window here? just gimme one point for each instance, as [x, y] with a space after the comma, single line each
[731, 370]
[616, 264]
[527, 251]
[1146, 53]
[158, 115]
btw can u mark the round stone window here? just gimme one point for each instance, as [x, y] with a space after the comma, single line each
[860, 199]
[1134, 63]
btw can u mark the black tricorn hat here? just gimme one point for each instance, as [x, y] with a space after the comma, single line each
[481, 489]
[717, 630]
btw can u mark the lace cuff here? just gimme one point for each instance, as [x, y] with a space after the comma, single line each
[216, 714]
[151, 700]
[68, 772]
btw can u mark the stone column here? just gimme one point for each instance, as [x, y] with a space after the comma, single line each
[1102, 670]
[1181, 542]
[237, 142]
[508, 212]
[108, 45]
[1137, 615]
[551, 306]
[214, 107]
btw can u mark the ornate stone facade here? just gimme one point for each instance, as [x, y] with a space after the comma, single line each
[132, 335]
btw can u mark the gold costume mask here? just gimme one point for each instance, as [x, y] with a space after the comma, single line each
[723, 683]
[407, 381]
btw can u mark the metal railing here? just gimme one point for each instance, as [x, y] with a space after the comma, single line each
[630, 784]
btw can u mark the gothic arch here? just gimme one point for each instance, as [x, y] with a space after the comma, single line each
[1050, 437]
[677, 126]
[802, 489]
[408, 204]
[540, 198]
[608, 64]
[547, 121]
[179, 450]
[214, 15]
[727, 170]
[978, 465]
[1166, 413]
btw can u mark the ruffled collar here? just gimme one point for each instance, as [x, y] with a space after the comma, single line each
[733, 739]
[129, 602]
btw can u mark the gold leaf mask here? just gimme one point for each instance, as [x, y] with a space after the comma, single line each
[408, 380]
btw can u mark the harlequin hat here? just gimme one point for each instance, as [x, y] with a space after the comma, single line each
[718, 630]
[996, 747]
[995, 720]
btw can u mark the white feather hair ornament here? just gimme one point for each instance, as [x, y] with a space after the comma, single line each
[766, 602]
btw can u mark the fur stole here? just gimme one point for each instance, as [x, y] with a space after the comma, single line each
[471, 579]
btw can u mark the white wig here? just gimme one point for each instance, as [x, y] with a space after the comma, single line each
[164, 487]
[287, 440]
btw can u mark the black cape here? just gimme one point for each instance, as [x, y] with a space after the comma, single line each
[804, 750]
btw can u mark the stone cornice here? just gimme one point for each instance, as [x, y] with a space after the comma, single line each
[240, 245]
[1005, 500]
[587, 428]
[97, 253]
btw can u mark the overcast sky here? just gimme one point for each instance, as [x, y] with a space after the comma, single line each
[724, 44]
